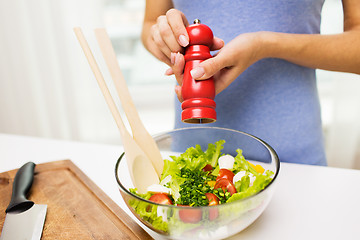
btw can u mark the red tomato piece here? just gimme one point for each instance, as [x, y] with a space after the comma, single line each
[190, 215]
[213, 213]
[213, 199]
[161, 198]
[225, 184]
[225, 173]
[207, 168]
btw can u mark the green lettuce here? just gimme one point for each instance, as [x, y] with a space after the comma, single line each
[261, 181]
[241, 164]
[214, 152]
[148, 212]
[194, 158]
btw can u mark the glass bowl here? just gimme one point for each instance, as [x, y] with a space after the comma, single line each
[209, 222]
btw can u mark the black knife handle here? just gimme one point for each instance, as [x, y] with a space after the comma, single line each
[21, 186]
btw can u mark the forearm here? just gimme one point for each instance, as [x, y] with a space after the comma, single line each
[339, 52]
[153, 9]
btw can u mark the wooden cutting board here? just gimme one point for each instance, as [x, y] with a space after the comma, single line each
[77, 208]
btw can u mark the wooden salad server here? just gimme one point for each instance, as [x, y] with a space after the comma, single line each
[142, 172]
[140, 135]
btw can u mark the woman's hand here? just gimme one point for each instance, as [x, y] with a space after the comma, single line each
[168, 35]
[225, 66]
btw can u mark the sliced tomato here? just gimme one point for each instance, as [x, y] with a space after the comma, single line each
[207, 168]
[161, 198]
[190, 215]
[225, 173]
[213, 199]
[225, 184]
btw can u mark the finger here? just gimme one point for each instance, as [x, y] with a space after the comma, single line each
[209, 67]
[218, 43]
[167, 34]
[226, 77]
[178, 93]
[178, 24]
[157, 38]
[169, 72]
[178, 67]
[153, 48]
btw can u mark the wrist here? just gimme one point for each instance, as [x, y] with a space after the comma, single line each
[146, 35]
[267, 44]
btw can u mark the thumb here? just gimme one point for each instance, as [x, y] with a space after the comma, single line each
[208, 68]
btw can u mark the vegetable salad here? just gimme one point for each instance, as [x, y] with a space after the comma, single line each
[206, 178]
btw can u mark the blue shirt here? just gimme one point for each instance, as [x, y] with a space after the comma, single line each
[273, 99]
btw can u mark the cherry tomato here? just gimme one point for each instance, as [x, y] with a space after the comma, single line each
[207, 168]
[224, 183]
[161, 198]
[225, 173]
[213, 213]
[213, 199]
[190, 215]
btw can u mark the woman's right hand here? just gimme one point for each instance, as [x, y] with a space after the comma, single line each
[168, 35]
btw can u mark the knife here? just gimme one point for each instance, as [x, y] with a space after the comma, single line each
[24, 220]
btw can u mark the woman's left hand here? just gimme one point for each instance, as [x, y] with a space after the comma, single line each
[225, 66]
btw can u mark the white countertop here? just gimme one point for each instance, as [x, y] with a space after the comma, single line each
[310, 202]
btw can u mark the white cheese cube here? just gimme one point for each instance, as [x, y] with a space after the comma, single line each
[238, 176]
[157, 188]
[226, 161]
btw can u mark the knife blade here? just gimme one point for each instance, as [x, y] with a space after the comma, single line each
[24, 219]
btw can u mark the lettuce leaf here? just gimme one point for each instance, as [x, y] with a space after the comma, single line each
[171, 169]
[147, 211]
[214, 152]
[194, 158]
[259, 184]
[245, 183]
[241, 164]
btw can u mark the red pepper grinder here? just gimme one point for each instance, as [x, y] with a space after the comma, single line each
[198, 105]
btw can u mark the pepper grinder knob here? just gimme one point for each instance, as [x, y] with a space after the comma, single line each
[198, 105]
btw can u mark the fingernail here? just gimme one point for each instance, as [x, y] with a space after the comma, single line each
[197, 72]
[169, 72]
[172, 58]
[183, 40]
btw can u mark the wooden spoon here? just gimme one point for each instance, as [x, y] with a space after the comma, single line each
[140, 135]
[141, 170]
